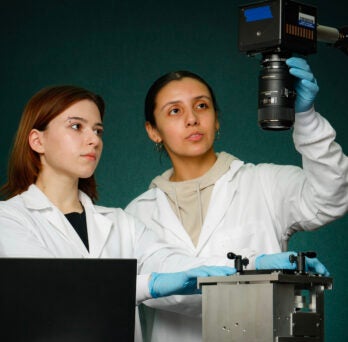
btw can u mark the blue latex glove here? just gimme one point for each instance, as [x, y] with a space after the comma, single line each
[184, 283]
[281, 261]
[305, 85]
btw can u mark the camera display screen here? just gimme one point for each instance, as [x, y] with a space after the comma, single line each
[258, 13]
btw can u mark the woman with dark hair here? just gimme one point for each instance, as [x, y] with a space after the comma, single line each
[49, 211]
[212, 203]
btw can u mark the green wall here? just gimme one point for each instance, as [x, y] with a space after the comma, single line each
[118, 48]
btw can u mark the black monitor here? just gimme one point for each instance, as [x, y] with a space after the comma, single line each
[67, 300]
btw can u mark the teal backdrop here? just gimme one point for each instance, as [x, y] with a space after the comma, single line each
[118, 48]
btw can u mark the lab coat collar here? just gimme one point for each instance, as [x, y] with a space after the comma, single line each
[149, 195]
[221, 198]
[35, 199]
[98, 225]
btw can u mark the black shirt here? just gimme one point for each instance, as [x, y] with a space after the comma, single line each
[78, 221]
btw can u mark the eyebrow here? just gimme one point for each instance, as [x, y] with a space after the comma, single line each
[178, 101]
[83, 120]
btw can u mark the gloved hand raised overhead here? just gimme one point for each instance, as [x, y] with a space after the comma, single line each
[305, 85]
[184, 283]
[281, 261]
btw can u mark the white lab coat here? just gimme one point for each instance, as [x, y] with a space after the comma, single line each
[253, 209]
[31, 226]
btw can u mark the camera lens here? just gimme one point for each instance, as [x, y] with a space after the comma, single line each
[276, 109]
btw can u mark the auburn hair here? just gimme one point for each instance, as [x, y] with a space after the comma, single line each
[24, 164]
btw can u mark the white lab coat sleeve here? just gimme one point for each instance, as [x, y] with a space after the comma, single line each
[143, 292]
[187, 305]
[325, 165]
[155, 255]
[16, 240]
[190, 305]
[316, 194]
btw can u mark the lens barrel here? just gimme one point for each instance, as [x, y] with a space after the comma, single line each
[276, 110]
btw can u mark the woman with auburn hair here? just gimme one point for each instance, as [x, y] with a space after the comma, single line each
[24, 165]
[212, 203]
[49, 211]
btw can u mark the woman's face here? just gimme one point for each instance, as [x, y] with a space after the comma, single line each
[186, 121]
[71, 145]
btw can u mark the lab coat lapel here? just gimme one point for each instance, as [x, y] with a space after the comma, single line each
[221, 198]
[59, 221]
[35, 199]
[166, 218]
[99, 228]
[98, 225]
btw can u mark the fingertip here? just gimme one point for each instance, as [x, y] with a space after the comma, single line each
[325, 271]
[297, 62]
[231, 272]
[321, 269]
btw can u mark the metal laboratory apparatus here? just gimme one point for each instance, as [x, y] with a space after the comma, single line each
[264, 306]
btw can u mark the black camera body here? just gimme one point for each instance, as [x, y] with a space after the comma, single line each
[277, 29]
